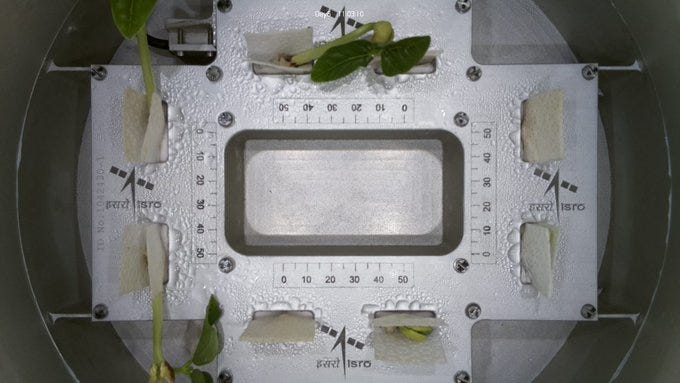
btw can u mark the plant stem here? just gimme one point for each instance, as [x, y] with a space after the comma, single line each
[184, 370]
[157, 308]
[145, 57]
[313, 54]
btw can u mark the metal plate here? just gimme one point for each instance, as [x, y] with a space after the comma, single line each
[493, 282]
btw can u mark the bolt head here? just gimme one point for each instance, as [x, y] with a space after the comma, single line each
[463, 6]
[214, 73]
[98, 72]
[461, 119]
[461, 377]
[224, 6]
[461, 265]
[225, 377]
[100, 311]
[474, 73]
[226, 265]
[473, 311]
[588, 311]
[589, 72]
[225, 119]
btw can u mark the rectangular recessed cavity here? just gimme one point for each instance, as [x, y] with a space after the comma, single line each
[272, 313]
[427, 65]
[427, 316]
[344, 192]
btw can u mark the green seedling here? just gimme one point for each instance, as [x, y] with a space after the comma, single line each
[131, 16]
[422, 329]
[416, 334]
[207, 349]
[342, 56]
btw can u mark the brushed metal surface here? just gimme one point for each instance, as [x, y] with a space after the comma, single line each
[493, 102]
[343, 193]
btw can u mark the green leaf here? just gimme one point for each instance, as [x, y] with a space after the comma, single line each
[342, 60]
[131, 15]
[213, 312]
[208, 346]
[198, 376]
[209, 343]
[401, 56]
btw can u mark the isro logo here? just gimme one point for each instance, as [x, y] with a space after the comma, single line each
[132, 182]
[555, 185]
[342, 18]
[130, 179]
[341, 342]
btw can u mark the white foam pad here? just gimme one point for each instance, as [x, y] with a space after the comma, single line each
[282, 328]
[145, 137]
[133, 270]
[542, 127]
[264, 50]
[155, 144]
[393, 347]
[135, 117]
[145, 258]
[157, 254]
[538, 252]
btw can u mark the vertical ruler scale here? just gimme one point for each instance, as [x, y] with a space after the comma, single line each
[483, 202]
[204, 193]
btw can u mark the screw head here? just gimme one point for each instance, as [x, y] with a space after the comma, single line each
[461, 265]
[474, 73]
[589, 72]
[100, 311]
[463, 6]
[214, 73]
[461, 377]
[225, 377]
[461, 119]
[473, 311]
[98, 72]
[225, 119]
[588, 311]
[224, 6]
[226, 265]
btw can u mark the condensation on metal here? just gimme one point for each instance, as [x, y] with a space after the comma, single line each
[494, 100]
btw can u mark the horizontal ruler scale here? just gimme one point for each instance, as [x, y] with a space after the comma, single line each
[344, 111]
[343, 275]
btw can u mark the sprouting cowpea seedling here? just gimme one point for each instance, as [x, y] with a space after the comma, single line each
[207, 349]
[413, 333]
[348, 53]
[131, 16]
[416, 334]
